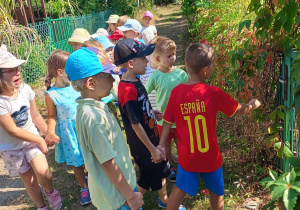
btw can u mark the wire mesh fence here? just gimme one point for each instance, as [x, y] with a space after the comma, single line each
[54, 34]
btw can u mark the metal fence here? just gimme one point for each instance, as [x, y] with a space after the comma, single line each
[54, 34]
[290, 133]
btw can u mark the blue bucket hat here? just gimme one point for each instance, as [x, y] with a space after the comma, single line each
[87, 62]
[105, 42]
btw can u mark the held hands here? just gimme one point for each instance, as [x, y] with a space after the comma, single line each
[159, 154]
[43, 146]
[136, 201]
[51, 138]
[158, 115]
[254, 103]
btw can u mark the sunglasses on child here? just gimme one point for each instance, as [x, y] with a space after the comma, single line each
[12, 70]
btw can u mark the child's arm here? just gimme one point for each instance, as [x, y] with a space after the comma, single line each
[134, 199]
[7, 123]
[51, 137]
[156, 154]
[149, 85]
[37, 118]
[246, 108]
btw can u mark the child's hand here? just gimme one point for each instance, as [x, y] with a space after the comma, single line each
[254, 103]
[158, 115]
[157, 155]
[43, 146]
[51, 138]
[136, 202]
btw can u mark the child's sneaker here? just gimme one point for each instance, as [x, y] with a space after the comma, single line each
[85, 197]
[54, 199]
[172, 176]
[43, 208]
[164, 205]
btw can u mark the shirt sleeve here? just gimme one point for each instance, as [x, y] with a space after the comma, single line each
[184, 77]
[225, 103]
[29, 92]
[3, 109]
[128, 102]
[149, 86]
[100, 144]
[168, 115]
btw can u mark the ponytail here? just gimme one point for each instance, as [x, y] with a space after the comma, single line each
[48, 82]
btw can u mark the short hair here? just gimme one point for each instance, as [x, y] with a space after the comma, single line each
[80, 84]
[199, 56]
[93, 43]
[157, 40]
[122, 19]
[166, 45]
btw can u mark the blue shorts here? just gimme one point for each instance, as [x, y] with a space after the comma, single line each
[189, 181]
[126, 207]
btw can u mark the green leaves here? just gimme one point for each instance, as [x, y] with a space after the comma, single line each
[290, 198]
[246, 23]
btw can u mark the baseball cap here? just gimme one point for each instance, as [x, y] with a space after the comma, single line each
[116, 35]
[112, 19]
[148, 14]
[105, 42]
[127, 49]
[100, 32]
[87, 62]
[8, 60]
[79, 35]
[131, 24]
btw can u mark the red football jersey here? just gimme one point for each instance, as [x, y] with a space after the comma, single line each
[194, 110]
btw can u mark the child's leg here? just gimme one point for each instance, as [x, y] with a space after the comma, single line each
[44, 175]
[168, 151]
[33, 188]
[216, 201]
[80, 176]
[175, 198]
[163, 194]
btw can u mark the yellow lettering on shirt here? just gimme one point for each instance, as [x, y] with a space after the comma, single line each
[194, 107]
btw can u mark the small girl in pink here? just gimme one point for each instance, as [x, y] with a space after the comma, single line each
[21, 147]
[149, 30]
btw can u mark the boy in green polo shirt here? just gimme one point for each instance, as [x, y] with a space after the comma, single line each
[111, 178]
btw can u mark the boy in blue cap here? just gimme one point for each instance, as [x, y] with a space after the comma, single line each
[111, 178]
[139, 118]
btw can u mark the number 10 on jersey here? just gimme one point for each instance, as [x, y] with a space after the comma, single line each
[197, 129]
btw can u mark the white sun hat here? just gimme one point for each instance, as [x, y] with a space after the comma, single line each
[8, 60]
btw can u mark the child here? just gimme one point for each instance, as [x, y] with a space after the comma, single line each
[132, 29]
[21, 146]
[111, 177]
[122, 19]
[193, 106]
[112, 23]
[163, 81]
[60, 101]
[138, 117]
[149, 31]
[153, 65]
[100, 32]
[79, 36]
[107, 45]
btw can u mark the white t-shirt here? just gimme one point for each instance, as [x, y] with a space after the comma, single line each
[148, 33]
[19, 109]
[144, 78]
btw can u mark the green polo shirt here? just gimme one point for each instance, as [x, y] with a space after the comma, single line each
[101, 139]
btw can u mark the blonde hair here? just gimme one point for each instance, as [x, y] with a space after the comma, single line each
[57, 60]
[80, 85]
[122, 19]
[93, 43]
[199, 56]
[166, 45]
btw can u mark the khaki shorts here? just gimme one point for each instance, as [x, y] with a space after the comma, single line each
[17, 162]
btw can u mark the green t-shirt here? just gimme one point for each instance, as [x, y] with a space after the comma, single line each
[101, 139]
[163, 84]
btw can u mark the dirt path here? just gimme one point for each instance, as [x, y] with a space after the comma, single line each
[13, 196]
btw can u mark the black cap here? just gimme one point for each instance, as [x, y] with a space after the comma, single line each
[128, 49]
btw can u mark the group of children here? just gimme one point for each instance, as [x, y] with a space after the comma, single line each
[87, 134]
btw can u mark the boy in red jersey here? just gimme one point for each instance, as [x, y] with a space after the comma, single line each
[193, 106]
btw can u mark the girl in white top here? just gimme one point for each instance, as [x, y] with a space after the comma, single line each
[21, 147]
[148, 29]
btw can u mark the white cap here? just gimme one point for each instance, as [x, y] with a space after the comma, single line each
[8, 60]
